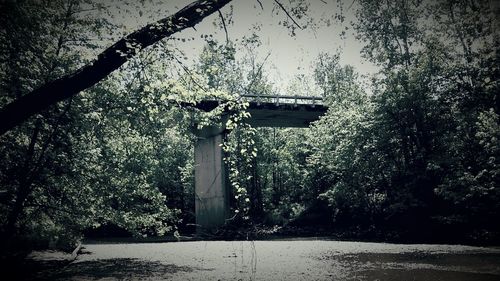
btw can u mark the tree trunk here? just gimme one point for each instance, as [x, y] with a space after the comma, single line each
[256, 207]
[111, 59]
[24, 184]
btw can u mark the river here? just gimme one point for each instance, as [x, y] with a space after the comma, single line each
[280, 260]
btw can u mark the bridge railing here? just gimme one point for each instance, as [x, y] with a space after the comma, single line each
[296, 100]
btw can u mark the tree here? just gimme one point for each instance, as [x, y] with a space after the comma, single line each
[109, 60]
[470, 41]
[69, 175]
[422, 148]
[343, 166]
[38, 35]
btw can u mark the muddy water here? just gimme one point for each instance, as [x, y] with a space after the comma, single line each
[421, 266]
[282, 260]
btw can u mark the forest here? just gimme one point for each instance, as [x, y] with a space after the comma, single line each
[409, 153]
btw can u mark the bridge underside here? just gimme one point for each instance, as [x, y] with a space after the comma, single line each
[271, 114]
[284, 115]
[212, 188]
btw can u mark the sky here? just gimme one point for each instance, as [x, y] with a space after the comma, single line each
[289, 55]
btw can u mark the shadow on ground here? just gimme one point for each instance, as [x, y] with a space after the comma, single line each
[119, 269]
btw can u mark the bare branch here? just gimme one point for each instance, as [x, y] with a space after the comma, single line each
[350, 6]
[260, 3]
[191, 76]
[259, 72]
[287, 14]
[224, 25]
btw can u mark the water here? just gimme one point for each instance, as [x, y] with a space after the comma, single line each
[282, 260]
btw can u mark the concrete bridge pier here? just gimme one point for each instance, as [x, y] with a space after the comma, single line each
[211, 179]
[212, 187]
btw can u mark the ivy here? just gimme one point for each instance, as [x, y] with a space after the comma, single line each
[240, 153]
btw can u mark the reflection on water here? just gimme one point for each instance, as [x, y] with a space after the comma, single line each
[420, 266]
[422, 275]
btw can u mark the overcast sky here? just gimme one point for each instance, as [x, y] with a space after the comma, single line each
[290, 55]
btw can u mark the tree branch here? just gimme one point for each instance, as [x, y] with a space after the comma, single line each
[260, 3]
[259, 72]
[287, 14]
[191, 76]
[109, 60]
[224, 25]
[350, 6]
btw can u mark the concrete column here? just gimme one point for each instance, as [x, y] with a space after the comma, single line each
[211, 180]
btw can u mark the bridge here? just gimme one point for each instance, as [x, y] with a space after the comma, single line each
[212, 187]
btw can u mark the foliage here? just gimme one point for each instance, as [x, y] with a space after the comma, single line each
[411, 153]
[416, 154]
[84, 162]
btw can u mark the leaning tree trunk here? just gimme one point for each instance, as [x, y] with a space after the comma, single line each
[111, 59]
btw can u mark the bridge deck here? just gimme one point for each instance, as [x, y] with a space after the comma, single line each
[284, 115]
[278, 111]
